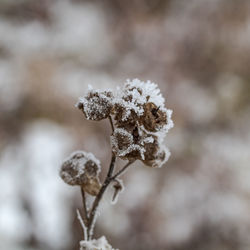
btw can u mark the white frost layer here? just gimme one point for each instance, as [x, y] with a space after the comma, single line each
[149, 92]
[99, 244]
[140, 93]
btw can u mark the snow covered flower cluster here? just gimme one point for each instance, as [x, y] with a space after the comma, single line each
[142, 120]
[139, 122]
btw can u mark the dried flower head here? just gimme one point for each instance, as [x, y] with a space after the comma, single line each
[82, 169]
[96, 105]
[142, 122]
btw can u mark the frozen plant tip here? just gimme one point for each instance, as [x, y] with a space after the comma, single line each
[139, 122]
[99, 244]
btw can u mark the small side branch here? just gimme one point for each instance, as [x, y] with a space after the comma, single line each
[111, 123]
[84, 227]
[122, 171]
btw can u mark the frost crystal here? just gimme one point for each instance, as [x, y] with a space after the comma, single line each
[99, 244]
[82, 169]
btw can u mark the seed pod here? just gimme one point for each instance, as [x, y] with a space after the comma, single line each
[96, 105]
[82, 169]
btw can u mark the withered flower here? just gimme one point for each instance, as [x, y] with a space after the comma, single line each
[142, 122]
[82, 169]
[96, 105]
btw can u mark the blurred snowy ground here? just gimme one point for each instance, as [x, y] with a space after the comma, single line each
[199, 54]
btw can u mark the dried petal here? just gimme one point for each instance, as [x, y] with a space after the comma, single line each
[92, 186]
[157, 157]
[125, 143]
[154, 118]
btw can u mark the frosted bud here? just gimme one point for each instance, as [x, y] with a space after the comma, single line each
[96, 105]
[118, 188]
[99, 244]
[82, 169]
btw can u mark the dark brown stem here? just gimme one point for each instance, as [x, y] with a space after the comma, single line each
[111, 123]
[85, 210]
[99, 196]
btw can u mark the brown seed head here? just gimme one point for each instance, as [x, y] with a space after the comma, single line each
[96, 105]
[82, 169]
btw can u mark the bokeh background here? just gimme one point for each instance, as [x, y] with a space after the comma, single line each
[198, 51]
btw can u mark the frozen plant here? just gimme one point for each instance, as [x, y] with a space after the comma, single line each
[139, 122]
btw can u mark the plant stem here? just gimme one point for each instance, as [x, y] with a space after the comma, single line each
[111, 123]
[91, 217]
[99, 196]
[85, 210]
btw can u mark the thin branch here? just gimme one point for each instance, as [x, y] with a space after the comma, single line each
[111, 123]
[122, 171]
[111, 166]
[99, 196]
[84, 228]
[85, 210]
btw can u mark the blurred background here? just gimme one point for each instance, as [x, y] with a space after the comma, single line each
[199, 54]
